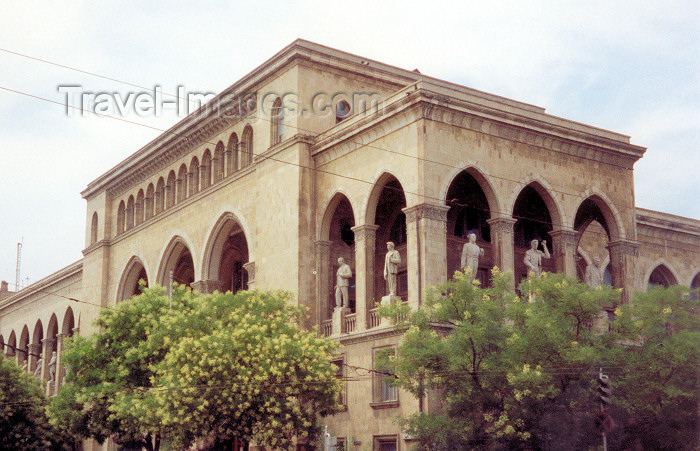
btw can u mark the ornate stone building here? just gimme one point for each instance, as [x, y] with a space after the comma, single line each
[319, 154]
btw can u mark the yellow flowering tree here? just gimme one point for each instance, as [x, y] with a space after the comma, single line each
[509, 371]
[208, 368]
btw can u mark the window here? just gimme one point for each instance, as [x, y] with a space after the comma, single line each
[277, 122]
[385, 443]
[342, 111]
[120, 217]
[340, 374]
[385, 393]
[93, 229]
[246, 146]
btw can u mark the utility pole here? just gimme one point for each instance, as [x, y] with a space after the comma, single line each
[170, 289]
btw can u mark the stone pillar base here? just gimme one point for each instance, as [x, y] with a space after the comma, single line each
[388, 300]
[338, 323]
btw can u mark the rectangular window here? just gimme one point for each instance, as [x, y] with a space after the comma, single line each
[340, 374]
[385, 393]
[385, 443]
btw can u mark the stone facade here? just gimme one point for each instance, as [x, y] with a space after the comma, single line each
[238, 196]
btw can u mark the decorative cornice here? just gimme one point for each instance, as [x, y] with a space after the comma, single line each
[96, 245]
[55, 282]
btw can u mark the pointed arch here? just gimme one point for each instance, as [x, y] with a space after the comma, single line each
[130, 213]
[329, 209]
[226, 252]
[597, 207]
[23, 347]
[544, 190]
[373, 196]
[660, 273]
[276, 122]
[695, 285]
[482, 179]
[11, 350]
[68, 324]
[179, 258]
[129, 284]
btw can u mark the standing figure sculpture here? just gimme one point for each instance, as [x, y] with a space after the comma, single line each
[37, 370]
[470, 255]
[391, 267]
[342, 284]
[52, 367]
[593, 277]
[533, 257]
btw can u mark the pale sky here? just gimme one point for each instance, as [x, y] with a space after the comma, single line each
[632, 67]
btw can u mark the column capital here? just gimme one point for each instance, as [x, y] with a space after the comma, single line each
[250, 269]
[362, 232]
[323, 244]
[624, 247]
[429, 211]
[502, 223]
[207, 286]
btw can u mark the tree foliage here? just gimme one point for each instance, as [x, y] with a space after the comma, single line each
[518, 371]
[213, 367]
[23, 420]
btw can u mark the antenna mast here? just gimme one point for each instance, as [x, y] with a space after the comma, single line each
[18, 280]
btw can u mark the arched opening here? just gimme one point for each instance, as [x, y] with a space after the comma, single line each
[148, 202]
[138, 208]
[342, 111]
[51, 347]
[246, 146]
[170, 190]
[131, 280]
[276, 122]
[160, 195]
[205, 170]
[695, 287]
[37, 347]
[342, 237]
[11, 345]
[219, 162]
[194, 176]
[68, 325]
[2, 345]
[232, 150]
[392, 227]
[533, 222]
[178, 260]
[23, 349]
[121, 217]
[182, 183]
[227, 252]
[661, 276]
[130, 213]
[469, 212]
[93, 229]
[594, 235]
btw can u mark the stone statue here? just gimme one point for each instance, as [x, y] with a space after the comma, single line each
[37, 370]
[342, 284]
[391, 267]
[52, 367]
[470, 255]
[533, 257]
[594, 278]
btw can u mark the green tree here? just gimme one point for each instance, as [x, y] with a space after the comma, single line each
[510, 371]
[23, 420]
[656, 381]
[213, 367]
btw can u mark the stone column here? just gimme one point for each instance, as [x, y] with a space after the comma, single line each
[564, 243]
[34, 354]
[323, 278]
[59, 363]
[207, 286]
[623, 259]
[250, 269]
[426, 234]
[365, 236]
[502, 243]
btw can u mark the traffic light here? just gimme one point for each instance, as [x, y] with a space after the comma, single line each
[604, 390]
